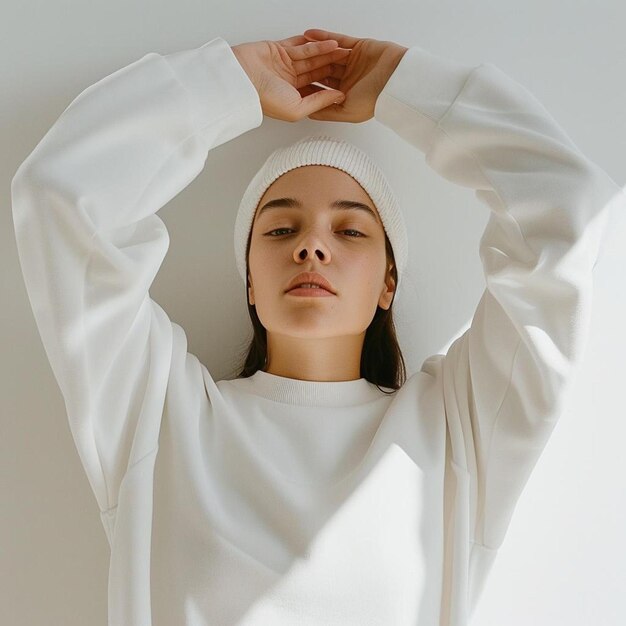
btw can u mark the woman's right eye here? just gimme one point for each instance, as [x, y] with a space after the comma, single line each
[275, 230]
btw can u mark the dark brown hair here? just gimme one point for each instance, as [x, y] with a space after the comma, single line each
[382, 362]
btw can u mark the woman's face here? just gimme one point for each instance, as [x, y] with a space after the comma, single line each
[286, 241]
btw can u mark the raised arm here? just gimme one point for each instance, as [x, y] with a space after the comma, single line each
[90, 242]
[506, 377]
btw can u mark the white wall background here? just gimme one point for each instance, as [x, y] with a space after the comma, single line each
[564, 558]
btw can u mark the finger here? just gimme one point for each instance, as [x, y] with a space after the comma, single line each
[313, 63]
[296, 40]
[318, 100]
[311, 49]
[332, 113]
[307, 90]
[300, 49]
[320, 75]
[329, 81]
[343, 60]
[345, 41]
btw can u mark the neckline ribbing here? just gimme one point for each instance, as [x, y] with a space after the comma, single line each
[310, 393]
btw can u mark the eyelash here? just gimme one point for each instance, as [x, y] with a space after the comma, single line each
[341, 231]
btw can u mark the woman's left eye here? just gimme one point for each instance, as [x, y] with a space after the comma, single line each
[348, 230]
[276, 230]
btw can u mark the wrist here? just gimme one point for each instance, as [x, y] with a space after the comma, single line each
[238, 52]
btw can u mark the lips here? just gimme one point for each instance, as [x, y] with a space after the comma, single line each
[310, 278]
[311, 292]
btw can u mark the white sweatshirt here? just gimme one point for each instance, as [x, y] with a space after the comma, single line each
[270, 501]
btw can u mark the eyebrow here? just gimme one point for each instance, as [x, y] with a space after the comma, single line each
[338, 205]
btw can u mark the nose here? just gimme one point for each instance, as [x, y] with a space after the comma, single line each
[313, 246]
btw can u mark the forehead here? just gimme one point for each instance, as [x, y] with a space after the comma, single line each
[317, 185]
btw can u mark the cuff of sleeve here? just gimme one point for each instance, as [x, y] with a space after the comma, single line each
[219, 87]
[426, 85]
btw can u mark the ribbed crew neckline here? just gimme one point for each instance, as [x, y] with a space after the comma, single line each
[310, 393]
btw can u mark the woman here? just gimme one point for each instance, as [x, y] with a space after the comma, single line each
[301, 492]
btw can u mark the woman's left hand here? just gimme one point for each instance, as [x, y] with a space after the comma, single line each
[283, 70]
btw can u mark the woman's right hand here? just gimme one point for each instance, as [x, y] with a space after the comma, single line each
[361, 76]
[282, 71]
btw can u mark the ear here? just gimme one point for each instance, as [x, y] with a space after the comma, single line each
[386, 297]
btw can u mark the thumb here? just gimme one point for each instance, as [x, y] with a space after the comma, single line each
[320, 100]
[332, 113]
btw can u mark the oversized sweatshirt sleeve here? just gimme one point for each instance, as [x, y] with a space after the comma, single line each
[90, 243]
[505, 378]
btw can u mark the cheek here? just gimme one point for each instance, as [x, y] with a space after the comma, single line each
[263, 266]
[372, 277]
[363, 285]
[265, 253]
[255, 256]
[372, 267]
[260, 257]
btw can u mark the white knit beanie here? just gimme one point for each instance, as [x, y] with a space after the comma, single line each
[323, 150]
